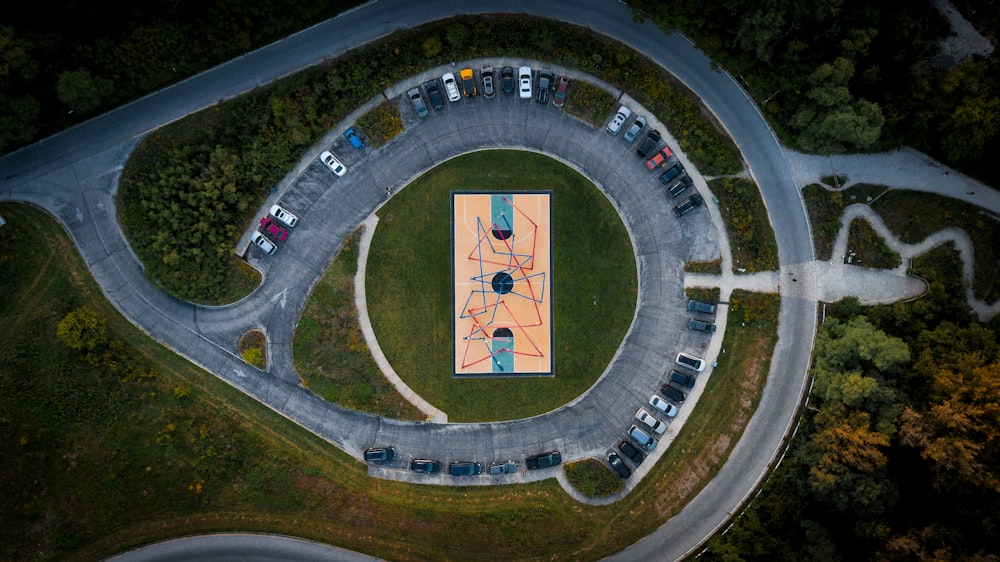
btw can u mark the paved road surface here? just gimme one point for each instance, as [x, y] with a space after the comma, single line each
[74, 176]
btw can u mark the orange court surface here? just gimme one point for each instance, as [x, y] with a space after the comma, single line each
[501, 254]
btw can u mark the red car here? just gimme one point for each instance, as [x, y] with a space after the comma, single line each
[271, 227]
[660, 159]
[561, 87]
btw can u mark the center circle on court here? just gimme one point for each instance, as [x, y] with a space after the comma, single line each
[410, 286]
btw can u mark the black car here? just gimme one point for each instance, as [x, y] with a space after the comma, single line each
[682, 379]
[699, 306]
[489, 89]
[545, 78]
[699, 326]
[618, 465]
[688, 205]
[465, 468]
[380, 454]
[507, 77]
[673, 173]
[649, 143]
[679, 185]
[630, 452]
[434, 94]
[672, 393]
[426, 466]
[545, 460]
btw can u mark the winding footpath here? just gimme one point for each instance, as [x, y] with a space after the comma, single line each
[74, 176]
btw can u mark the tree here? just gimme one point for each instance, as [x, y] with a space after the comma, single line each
[81, 91]
[834, 122]
[82, 329]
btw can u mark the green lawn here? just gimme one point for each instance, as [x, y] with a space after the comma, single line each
[409, 285]
[95, 464]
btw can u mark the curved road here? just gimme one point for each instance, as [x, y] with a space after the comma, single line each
[74, 175]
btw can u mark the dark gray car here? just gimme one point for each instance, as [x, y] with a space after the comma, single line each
[699, 306]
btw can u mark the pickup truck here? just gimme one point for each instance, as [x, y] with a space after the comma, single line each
[544, 460]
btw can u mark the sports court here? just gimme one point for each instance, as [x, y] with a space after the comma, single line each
[501, 255]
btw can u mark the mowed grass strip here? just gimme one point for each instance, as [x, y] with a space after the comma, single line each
[329, 350]
[84, 478]
[409, 285]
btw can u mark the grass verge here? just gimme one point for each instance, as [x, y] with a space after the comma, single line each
[589, 103]
[751, 238]
[95, 465]
[870, 249]
[591, 478]
[329, 351]
[409, 277]
[714, 266]
[825, 208]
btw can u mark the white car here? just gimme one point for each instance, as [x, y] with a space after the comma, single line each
[261, 241]
[616, 124]
[691, 362]
[524, 77]
[653, 423]
[662, 405]
[333, 163]
[283, 215]
[451, 87]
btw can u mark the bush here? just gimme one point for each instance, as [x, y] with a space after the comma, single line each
[750, 235]
[381, 124]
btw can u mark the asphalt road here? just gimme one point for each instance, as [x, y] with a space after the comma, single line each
[74, 175]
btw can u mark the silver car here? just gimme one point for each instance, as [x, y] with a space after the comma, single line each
[418, 102]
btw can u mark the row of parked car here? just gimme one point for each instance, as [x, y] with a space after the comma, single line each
[549, 459]
[674, 177]
[546, 87]
[642, 437]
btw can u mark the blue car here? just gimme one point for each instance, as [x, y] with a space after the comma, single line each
[354, 139]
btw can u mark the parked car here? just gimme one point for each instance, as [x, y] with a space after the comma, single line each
[691, 362]
[271, 227]
[701, 306]
[699, 326]
[630, 452]
[426, 466]
[648, 144]
[468, 82]
[499, 468]
[562, 88]
[660, 159]
[451, 87]
[674, 172]
[682, 379]
[507, 77]
[618, 465]
[380, 454]
[637, 126]
[662, 405]
[284, 215]
[261, 241]
[653, 423]
[544, 86]
[544, 460]
[688, 205]
[353, 138]
[619, 119]
[673, 393]
[524, 77]
[489, 89]
[645, 440]
[434, 94]
[333, 163]
[465, 468]
[678, 185]
[418, 102]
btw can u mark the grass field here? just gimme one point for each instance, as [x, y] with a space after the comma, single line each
[94, 464]
[409, 285]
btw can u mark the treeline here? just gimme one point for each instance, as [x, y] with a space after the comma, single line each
[189, 190]
[897, 456]
[64, 63]
[850, 75]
